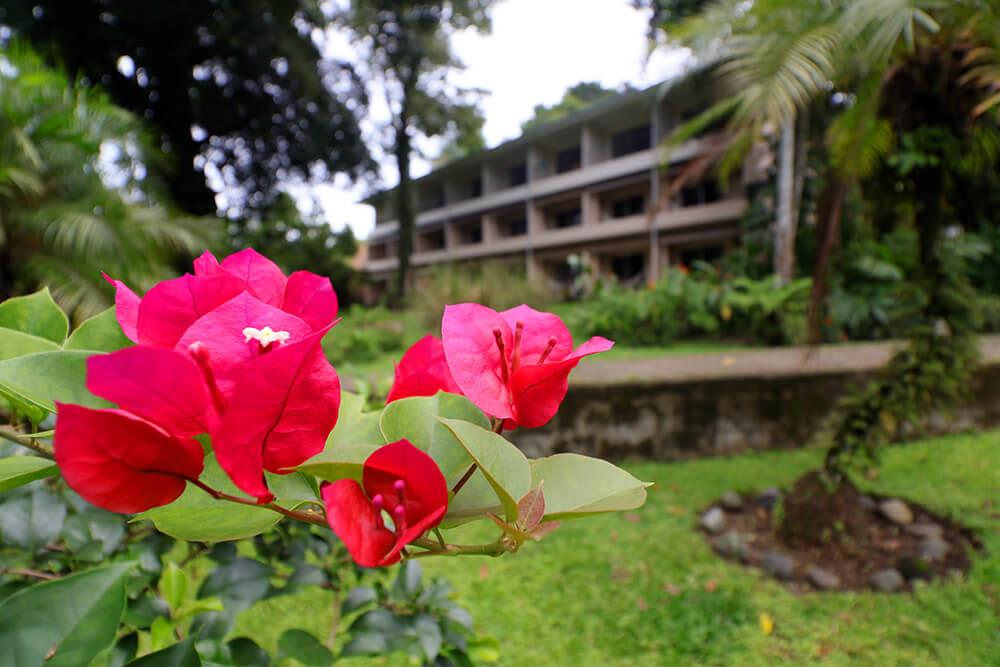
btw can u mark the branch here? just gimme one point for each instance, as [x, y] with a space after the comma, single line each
[25, 572]
[435, 549]
[307, 517]
[31, 443]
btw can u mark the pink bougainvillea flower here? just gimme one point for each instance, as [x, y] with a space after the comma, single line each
[398, 480]
[162, 386]
[169, 309]
[122, 462]
[422, 371]
[515, 364]
[283, 405]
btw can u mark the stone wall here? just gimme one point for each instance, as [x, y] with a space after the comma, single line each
[690, 418]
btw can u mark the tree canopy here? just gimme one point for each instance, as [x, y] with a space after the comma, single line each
[238, 90]
[576, 97]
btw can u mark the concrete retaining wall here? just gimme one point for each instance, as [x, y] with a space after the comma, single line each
[725, 404]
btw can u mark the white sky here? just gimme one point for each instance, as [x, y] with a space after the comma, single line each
[536, 50]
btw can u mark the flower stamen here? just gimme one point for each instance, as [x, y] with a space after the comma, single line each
[518, 333]
[498, 335]
[548, 350]
[265, 336]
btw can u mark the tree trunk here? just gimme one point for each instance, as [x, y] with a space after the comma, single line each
[784, 233]
[404, 203]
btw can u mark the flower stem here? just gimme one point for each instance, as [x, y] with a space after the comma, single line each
[298, 515]
[435, 549]
[465, 478]
[29, 442]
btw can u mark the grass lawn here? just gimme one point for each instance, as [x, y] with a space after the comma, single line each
[644, 589]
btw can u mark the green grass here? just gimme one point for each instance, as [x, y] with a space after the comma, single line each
[644, 589]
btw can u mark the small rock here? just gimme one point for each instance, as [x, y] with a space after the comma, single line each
[896, 511]
[778, 565]
[887, 581]
[925, 529]
[866, 502]
[714, 520]
[822, 579]
[731, 501]
[768, 498]
[732, 545]
[933, 549]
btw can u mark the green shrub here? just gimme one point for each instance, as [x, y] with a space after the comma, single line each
[373, 332]
[702, 303]
[499, 285]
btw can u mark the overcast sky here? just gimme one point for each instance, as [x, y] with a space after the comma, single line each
[536, 50]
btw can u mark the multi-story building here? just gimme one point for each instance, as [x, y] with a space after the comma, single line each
[595, 184]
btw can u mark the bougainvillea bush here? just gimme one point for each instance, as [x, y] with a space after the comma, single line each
[207, 410]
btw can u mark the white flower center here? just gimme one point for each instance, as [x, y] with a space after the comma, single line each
[265, 336]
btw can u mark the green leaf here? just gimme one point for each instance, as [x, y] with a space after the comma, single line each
[339, 462]
[35, 381]
[31, 521]
[36, 314]
[17, 344]
[354, 425]
[303, 647]
[246, 653]
[178, 655]
[502, 464]
[173, 586]
[238, 584]
[577, 486]
[416, 419]
[198, 517]
[352, 440]
[71, 619]
[16, 471]
[101, 333]
[359, 597]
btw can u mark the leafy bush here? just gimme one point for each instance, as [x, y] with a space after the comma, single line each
[369, 333]
[701, 303]
[499, 285]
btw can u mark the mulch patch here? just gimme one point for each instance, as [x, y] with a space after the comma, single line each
[871, 543]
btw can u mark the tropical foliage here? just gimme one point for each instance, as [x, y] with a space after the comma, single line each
[75, 194]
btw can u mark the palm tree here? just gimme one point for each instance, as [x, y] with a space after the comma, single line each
[74, 198]
[916, 84]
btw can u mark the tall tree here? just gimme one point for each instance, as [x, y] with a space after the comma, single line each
[576, 97]
[917, 84]
[404, 49]
[61, 222]
[237, 89]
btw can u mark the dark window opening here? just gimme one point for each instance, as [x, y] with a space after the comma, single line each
[476, 188]
[705, 192]
[518, 174]
[470, 234]
[377, 251]
[568, 218]
[431, 199]
[433, 240]
[627, 206]
[631, 141]
[568, 159]
[710, 254]
[513, 227]
[628, 267]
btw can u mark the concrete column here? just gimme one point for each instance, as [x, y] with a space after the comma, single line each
[491, 180]
[450, 236]
[536, 218]
[653, 263]
[590, 208]
[590, 146]
[535, 158]
[490, 232]
[532, 267]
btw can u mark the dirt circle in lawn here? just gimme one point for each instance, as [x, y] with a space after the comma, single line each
[813, 537]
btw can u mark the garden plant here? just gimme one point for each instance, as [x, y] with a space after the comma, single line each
[207, 411]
